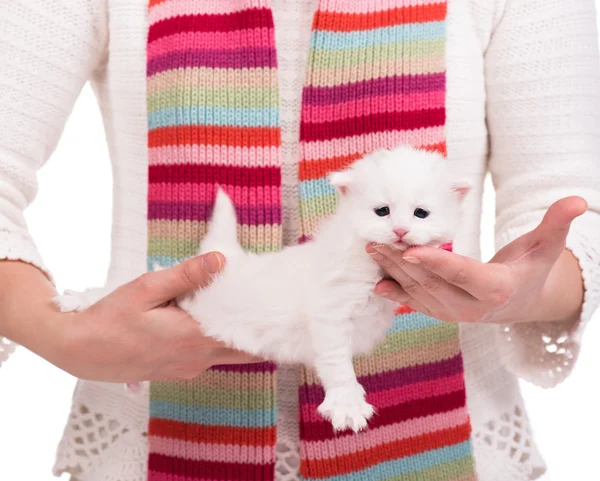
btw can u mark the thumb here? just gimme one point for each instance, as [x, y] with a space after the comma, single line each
[554, 228]
[156, 288]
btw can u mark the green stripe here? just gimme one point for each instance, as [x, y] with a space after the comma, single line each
[364, 57]
[217, 398]
[167, 246]
[318, 207]
[441, 472]
[398, 341]
[214, 97]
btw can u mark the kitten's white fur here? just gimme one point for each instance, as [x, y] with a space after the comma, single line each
[314, 303]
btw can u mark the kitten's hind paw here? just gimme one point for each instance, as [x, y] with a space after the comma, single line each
[346, 408]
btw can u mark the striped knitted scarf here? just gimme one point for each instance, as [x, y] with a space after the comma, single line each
[375, 79]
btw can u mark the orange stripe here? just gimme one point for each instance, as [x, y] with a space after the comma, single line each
[215, 135]
[440, 148]
[349, 22]
[212, 434]
[317, 169]
[357, 461]
[402, 309]
[153, 3]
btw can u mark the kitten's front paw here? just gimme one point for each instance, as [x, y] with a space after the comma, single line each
[346, 408]
[71, 301]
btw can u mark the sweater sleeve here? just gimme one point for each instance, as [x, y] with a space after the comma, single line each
[543, 112]
[48, 50]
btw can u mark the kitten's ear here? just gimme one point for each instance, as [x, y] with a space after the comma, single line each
[461, 189]
[341, 181]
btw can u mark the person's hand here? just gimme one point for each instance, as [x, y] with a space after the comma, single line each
[531, 279]
[137, 334]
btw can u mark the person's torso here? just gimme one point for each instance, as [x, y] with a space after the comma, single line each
[103, 411]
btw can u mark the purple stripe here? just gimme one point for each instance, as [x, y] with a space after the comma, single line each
[386, 86]
[241, 368]
[397, 378]
[237, 59]
[249, 215]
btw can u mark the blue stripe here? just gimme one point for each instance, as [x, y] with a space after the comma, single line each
[413, 321]
[315, 188]
[162, 262]
[219, 116]
[326, 40]
[412, 464]
[241, 418]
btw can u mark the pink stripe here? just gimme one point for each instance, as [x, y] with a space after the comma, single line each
[211, 41]
[352, 6]
[172, 8]
[371, 438]
[374, 105]
[399, 395]
[224, 453]
[203, 192]
[215, 155]
[371, 142]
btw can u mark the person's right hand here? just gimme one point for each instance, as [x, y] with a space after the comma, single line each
[137, 334]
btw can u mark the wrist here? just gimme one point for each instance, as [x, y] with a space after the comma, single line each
[562, 295]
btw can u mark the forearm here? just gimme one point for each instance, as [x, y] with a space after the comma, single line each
[563, 293]
[26, 307]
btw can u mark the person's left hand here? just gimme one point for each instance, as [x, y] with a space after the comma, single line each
[531, 279]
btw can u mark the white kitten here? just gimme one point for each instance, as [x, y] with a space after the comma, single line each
[314, 303]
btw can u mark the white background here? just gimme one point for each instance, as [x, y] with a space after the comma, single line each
[74, 240]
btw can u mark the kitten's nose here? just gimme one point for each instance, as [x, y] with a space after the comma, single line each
[400, 233]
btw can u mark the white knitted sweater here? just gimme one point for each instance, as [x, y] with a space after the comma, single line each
[523, 103]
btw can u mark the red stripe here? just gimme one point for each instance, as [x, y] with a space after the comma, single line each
[357, 461]
[387, 121]
[192, 470]
[322, 430]
[215, 135]
[168, 428]
[349, 22]
[215, 174]
[229, 22]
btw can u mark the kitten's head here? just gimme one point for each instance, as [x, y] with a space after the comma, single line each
[404, 197]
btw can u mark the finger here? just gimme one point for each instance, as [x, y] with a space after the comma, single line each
[554, 228]
[472, 277]
[390, 259]
[156, 288]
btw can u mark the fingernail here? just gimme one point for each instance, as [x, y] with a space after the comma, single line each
[412, 259]
[370, 248]
[212, 263]
[385, 293]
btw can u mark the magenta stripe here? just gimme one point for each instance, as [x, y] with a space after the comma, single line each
[234, 59]
[398, 395]
[365, 107]
[208, 40]
[405, 84]
[258, 197]
[254, 367]
[393, 379]
[227, 22]
[188, 210]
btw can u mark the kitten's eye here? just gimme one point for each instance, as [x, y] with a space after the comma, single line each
[382, 211]
[421, 213]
